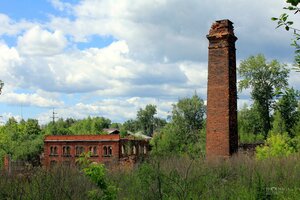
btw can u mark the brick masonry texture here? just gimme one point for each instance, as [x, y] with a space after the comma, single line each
[117, 156]
[221, 128]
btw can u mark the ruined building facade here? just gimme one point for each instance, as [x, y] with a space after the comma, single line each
[106, 149]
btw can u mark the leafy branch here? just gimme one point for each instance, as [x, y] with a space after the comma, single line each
[283, 21]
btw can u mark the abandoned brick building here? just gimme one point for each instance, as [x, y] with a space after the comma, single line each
[106, 149]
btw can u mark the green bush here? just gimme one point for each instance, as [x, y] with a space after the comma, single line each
[250, 138]
[276, 145]
[96, 172]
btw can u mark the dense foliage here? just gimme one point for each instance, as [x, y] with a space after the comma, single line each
[277, 145]
[22, 140]
[145, 121]
[266, 80]
[182, 135]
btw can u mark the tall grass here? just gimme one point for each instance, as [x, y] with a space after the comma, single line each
[39, 184]
[168, 177]
[240, 177]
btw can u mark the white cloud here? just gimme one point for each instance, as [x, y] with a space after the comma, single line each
[118, 109]
[61, 6]
[9, 61]
[39, 42]
[28, 100]
[176, 29]
[11, 27]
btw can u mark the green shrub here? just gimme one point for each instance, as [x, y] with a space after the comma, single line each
[96, 172]
[276, 145]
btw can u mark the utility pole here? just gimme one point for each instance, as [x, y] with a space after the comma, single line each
[53, 129]
[53, 116]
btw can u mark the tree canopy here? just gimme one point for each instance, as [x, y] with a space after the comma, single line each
[183, 134]
[266, 80]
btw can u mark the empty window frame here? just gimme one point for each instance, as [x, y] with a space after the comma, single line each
[66, 151]
[79, 150]
[107, 151]
[93, 150]
[123, 149]
[134, 149]
[53, 151]
[145, 149]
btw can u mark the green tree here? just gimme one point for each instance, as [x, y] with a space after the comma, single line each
[265, 79]
[249, 121]
[278, 123]
[21, 140]
[183, 133]
[250, 125]
[90, 125]
[130, 125]
[96, 172]
[146, 119]
[287, 107]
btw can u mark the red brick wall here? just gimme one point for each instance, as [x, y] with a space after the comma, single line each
[6, 163]
[91, 140]
[85, 141]
[221, 133]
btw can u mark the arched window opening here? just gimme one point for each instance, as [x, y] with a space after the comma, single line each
[122, 149]
[66, 150]
[79, 150]
[110, 151]
[93, 150]
[134, 149]
[145, 149]
[105, 151]
[53, 150]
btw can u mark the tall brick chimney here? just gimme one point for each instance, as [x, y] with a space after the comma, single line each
[221, 128]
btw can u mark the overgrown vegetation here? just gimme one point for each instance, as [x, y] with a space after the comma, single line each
[184, 178]
[58, 183]
[172, 177]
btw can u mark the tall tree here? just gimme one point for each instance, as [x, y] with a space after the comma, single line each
[249, 122]
[182, 134]
[146, 119]
[265, 79]
[287, 107]
[130, 125]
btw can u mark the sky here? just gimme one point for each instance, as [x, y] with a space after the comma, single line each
[112, 57]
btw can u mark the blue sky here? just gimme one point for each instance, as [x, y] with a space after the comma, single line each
[111, 57]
